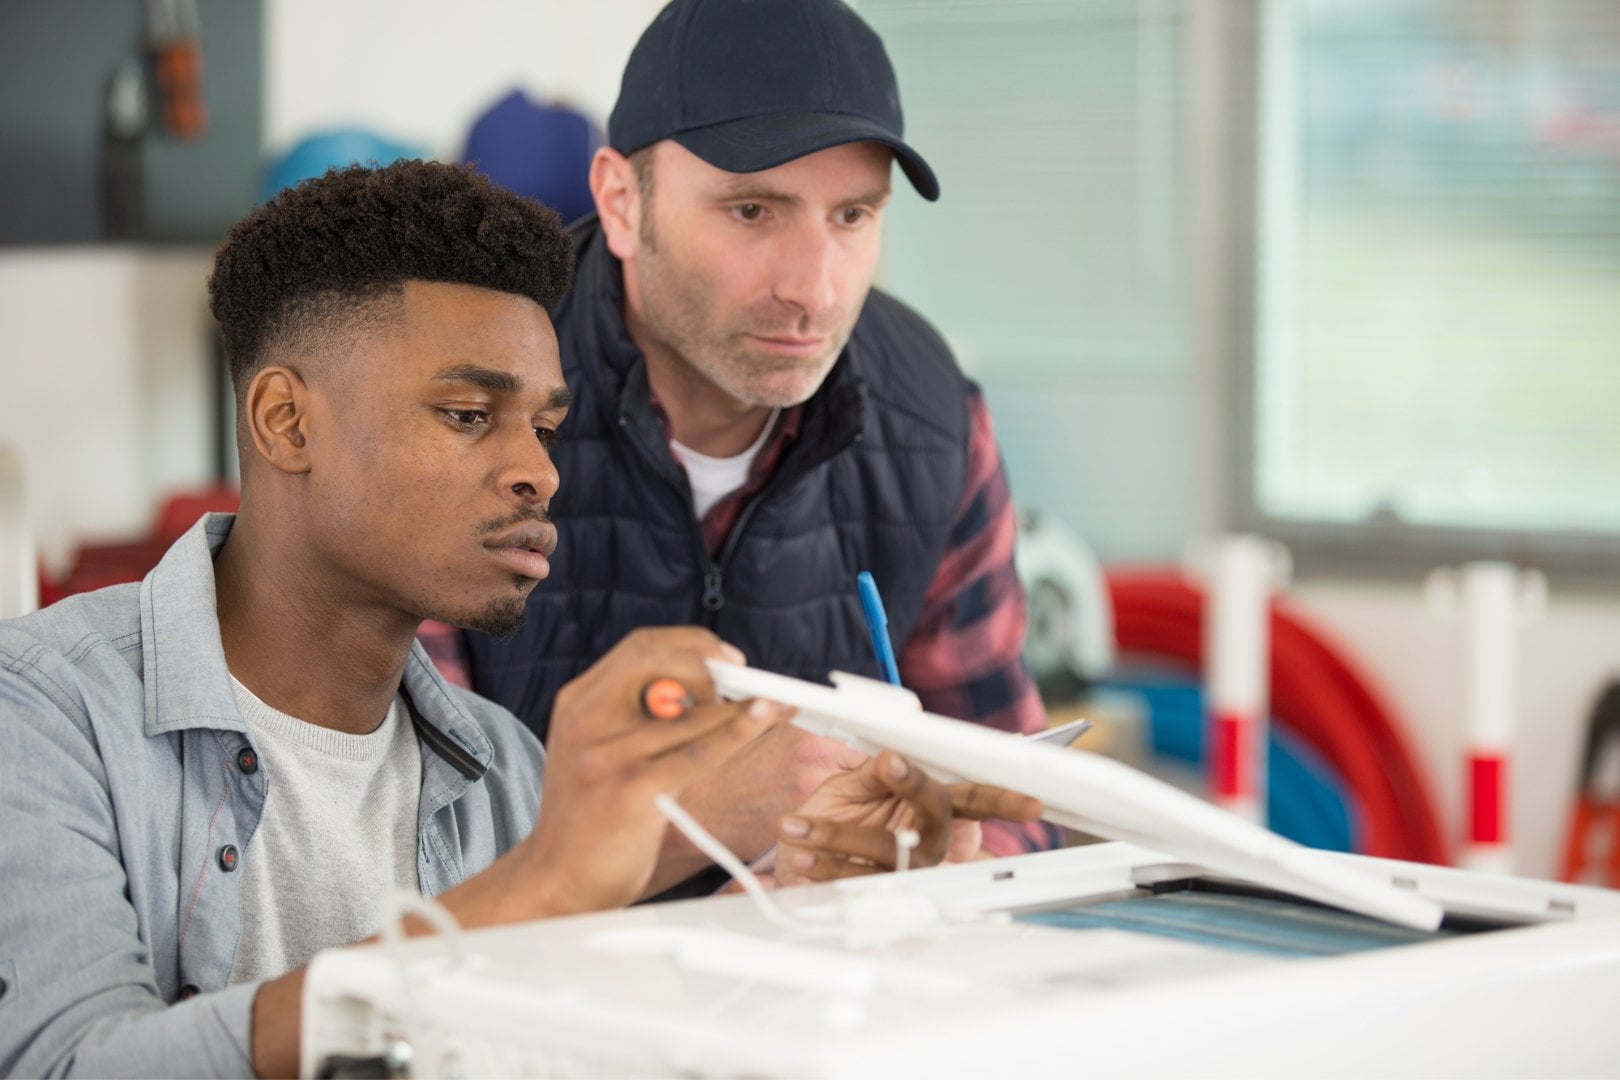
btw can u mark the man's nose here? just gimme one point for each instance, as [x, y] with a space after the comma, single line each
[527, 470]
[807, 275]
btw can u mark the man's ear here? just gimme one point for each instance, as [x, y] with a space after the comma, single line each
[618, 201]
[276, 411]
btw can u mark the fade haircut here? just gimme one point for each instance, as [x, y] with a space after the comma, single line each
[322, 258]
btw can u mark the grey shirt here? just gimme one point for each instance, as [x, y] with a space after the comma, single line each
[129, 792]
[335, 842]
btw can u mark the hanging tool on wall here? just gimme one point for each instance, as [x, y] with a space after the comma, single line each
[1592, 849]
[172, 66]
[174, 40]
[124, 123]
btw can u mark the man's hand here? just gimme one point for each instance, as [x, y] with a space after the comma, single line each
[847, 828]
[741, 800]
[598, 837]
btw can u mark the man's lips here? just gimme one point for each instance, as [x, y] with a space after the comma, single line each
[525, 549]
[791, 345]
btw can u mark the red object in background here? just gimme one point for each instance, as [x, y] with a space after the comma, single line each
[95, 566]
[180, 512]
[1597, 800]
[1593, 819]
[1314, 692]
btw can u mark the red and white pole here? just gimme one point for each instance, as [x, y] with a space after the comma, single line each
[1493, 599]
[1242, 572]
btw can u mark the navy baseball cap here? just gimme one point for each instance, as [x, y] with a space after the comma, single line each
[751, 84]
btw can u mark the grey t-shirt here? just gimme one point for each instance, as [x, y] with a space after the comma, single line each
[339, 831]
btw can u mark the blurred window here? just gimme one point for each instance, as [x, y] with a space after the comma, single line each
[1438, 285]
[1054, 259]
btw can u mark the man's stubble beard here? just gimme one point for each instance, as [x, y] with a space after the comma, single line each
[675, 313]
[502, 618]
[499, 618]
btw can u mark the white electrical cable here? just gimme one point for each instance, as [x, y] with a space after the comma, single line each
[863, 919]
[706, 842]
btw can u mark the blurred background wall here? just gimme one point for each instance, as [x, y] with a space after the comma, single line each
[1340, 273]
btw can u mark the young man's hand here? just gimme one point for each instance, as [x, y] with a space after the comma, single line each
[848, 827]
[599, 834]
[741, 800]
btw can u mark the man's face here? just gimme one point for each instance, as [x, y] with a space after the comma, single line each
[754, 280]
[430, 451]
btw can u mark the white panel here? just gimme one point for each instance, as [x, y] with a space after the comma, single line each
[103, 384]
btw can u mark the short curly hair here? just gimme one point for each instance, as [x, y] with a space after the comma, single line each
[316, 259]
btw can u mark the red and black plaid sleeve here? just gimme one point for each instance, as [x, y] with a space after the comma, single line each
[965, 657]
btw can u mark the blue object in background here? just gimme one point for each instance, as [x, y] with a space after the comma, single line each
[1306, 798]
[316, 154]
[541, 151]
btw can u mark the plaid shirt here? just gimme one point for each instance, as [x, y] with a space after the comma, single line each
[965, 656]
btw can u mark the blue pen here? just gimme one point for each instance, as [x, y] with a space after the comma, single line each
[877, 625]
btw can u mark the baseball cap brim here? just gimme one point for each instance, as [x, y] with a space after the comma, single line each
[753, 143]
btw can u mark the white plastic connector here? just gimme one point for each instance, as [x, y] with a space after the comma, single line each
[904, 841]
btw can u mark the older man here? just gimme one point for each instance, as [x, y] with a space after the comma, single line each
[754, 424]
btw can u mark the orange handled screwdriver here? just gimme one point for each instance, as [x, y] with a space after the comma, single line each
[665, 698]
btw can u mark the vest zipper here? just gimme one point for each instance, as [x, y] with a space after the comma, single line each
[714, 598]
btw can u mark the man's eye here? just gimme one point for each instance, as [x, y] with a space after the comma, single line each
[548, 436]
[854, 215]
[750, 211]
[466, 419]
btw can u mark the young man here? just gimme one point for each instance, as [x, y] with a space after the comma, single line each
[754, 424]
[206, 778]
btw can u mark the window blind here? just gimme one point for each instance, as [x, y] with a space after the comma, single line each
[1438, 296]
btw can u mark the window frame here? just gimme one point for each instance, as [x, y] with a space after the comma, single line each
[1228, 58]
